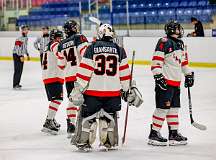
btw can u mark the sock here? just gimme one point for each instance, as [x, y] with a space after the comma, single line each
[172, 118]
[53, 108]
[72, 112]
[158, 118]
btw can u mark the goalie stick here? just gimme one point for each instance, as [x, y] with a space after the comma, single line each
[95, 20]
[126, 114]
[195, 124]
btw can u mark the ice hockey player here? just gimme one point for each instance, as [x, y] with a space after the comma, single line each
[53, 79]
[70, 52]
[41, 42]
[102, 73]
[169, 60]
[19, 50]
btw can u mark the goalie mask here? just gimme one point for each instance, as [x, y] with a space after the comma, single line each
[173, 27]
[106, 32]
[71, 27]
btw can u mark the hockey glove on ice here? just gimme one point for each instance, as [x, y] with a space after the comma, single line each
[76, 96]
[160, 81]
[189, 80]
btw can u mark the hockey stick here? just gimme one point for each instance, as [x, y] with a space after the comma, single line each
[126, 114]
[196, 125]
[95, 20]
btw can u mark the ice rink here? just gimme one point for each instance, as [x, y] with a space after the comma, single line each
[22, 114]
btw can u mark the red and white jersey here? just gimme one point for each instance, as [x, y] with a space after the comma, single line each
[50, 71]
[104, 70]
[171, 60]
[69, 55]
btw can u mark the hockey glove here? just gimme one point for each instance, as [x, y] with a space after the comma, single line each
[189, 80]
[160, 81]
[133, 97]
[76, 96]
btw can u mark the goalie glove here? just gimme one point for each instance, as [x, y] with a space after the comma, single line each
[76, 96]
[133, 97]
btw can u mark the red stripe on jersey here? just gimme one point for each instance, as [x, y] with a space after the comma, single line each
[86, 78]
[71, 115]
[82, 49]
[172, 123]
[157, 125]
[18, 43]
[102, 93]
[56, 102]
[158, 118]
[83, 65]
[172, 116]
[126, 66]
[173, 83]
[52, 80]
[184, 63]
[153, 67]
[61, 67]
[158, 58]
[72, 108]
[70, 79]
[53, 108]
[53, 45]
[125, 78]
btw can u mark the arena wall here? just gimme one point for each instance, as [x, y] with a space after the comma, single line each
[201, 50]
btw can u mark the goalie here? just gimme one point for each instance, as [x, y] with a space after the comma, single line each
[103, 76]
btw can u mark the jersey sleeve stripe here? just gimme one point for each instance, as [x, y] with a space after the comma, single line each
[154, 67]
[184, 63]
[128, 77]
[53, 45]
[158, 58]
[83, 65]
[126, 66]
[86, 78]
[82, 50]
[70, 79]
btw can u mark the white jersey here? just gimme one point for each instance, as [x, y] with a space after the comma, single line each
[51, 73]
[171, 60]
[104, 70]
[69, 55]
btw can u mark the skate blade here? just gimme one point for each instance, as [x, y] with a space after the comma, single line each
[107, 148]
[46, 130]
[177, 143]
[156, 143]
[85, 148]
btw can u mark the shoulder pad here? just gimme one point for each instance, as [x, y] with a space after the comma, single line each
[164, 39]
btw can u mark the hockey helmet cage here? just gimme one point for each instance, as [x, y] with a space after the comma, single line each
[71, 27]
[173, 27]
[54, 33]
[105, 30]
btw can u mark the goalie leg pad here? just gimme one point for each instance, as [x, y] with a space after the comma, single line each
[107, 129]
[88, 130]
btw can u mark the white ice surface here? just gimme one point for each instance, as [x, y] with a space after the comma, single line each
[22, 114]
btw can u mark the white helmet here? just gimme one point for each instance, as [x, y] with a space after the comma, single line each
[105, 30]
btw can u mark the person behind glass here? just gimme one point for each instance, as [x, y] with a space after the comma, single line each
[41, 42]
[20, 49]
[198, 28]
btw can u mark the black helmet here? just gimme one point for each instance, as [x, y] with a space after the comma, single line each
[54, 33]
[22, 27]
[171, 27]
[71, 27]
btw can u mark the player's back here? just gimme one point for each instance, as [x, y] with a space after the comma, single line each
[107, 59]
[70, 50]
[50, 70]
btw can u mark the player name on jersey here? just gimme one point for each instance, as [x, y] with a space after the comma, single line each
[105, 50]
[68, 44]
